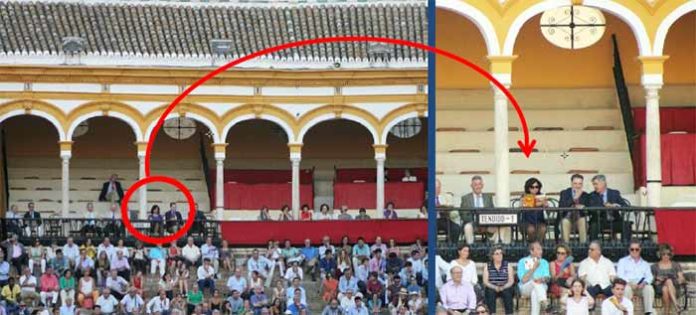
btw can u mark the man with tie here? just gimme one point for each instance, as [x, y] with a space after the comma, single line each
[111, 190]
[32, 221]
[574, 197]
[603, 197]
[173, 219]
[114, 226]
[476, 199]
[90, 224]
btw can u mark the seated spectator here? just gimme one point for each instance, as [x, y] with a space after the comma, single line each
[293, 290]
[377, 263]
[37, 257]
[167, 284]
[139, 257]
[343, 261]
[4, 270]
[71, 251]
[59, 263]
[358, 308]
[562, 272]
[457, 295]
[579, 302]
[378, 244]
[392, 247]
[285, 214]
[324, 213]
[498, 280]
[209, 251]
[191, 253]
[121, 265]
[362, 215]
[344, 215]
[14, 221]
[107, 303]
[158, 304]
[329, 288]
[306, 214]
[310, 258]
[294, 272]
[275, 255]
[173, 255]
[132, 303]
[156, 221]
[137, 282]
[182, 277]
[417, 265]
[173, 219]
[117, 285]
[573, 197]
[89, 249]
[407, 273]
[259, 264]
[617, 304]
[297, 307]
[374, 287]
[199, 222]
[669, 278]
[83, 263]
[347, 282]
[259, 300]
[636, 272]
[32, 222]
[476, 199]
[362, 272]
[206, 276]
[112, 190]
[87, 288]
[603, 197]
[15, 253]
[157, 259]
[333, 308]
[102, 268]
[279, 295]
[290, 254]
[347, 300]
[533, 222]
[360, 251]
[416, 304]
[234, 304]
[108, 248]
[264, 214]
[328, 264]
[226, 256]
[50, 287]
[422, 212]
[90, 224]
[326, 246]
[237, 282]
[114, 226]
[597, 271]
[194, 299]
[67, 286]
[468, 266]
[533, 272]
[389, 212]
[11, 293]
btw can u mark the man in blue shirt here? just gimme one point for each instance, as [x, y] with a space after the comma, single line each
[347, 281]
[360, 251]
[533, 272]
[4, 270]
[638, 276]
[297, 306]
[310, 256]
[358, 309]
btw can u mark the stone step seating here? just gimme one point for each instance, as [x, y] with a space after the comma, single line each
[568, 119]
[543, 162]
[565, 140]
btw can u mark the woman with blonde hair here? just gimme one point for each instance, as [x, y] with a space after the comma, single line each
[669, 278]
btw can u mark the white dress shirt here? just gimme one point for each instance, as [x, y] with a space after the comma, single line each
[191, 253]
[132, 303]
[108, 305]
[157, 305]
[597, 272]
[204, 273]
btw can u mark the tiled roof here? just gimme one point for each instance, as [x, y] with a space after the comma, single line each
[175, 29]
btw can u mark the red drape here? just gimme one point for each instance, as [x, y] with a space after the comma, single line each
[676, 227]
[671, 119]
[255, 196]
[259, 233]
[678, 159]
[364, 195]
[348, 175]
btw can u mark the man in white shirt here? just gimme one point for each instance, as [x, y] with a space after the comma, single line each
[294, 287]
[237, 282]
[597, 271]
[358, 308]
[294, 272]
[107, 302]
[617, 304]
[325, 245]
[260, 264]
[116, 285]
[636, 272]
[158, 304]
[191, 253]
[208, 250]
[206, 276]
[68, 308]
[107, 247]
[27, 284]
[132, 303]
[114, 227]
[90, 226]
[71, 251]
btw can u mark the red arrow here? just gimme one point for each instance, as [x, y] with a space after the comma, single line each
[526, 147]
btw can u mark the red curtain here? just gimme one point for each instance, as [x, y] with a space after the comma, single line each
[364, 195]
[676, 227]
[255, 196]
[259, 233]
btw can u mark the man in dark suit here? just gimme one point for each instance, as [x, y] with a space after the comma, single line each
[476, 199]
[173, 219]
[32, 221]
[573, 197]
[603, 197]
[111, 190]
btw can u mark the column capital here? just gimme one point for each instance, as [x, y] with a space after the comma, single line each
[65, 149]
[220, 150]
[652, 68]
[142, 147]
[295, 151]
[380, 151]
[502, 63]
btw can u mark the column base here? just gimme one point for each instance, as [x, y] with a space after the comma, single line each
[654, 193]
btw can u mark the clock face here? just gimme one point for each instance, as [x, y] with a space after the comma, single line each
[81, 129]
[407, 128]
[180, 128]
[573, 27]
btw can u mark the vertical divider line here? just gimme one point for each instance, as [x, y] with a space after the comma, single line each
[432, 213]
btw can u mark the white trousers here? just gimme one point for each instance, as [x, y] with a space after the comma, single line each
[537, 294]
[52, 295]
[158, 263]
[648, 294]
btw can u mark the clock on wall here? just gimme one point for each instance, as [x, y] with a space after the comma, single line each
[573, 27]
[180, 128]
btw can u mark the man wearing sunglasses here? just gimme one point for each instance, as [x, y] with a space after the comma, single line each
[597, 271]
[638, 276]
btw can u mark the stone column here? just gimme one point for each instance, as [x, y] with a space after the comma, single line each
[295, 159]
[652, 81]
[220, 153]
[142, 192]
[380, 157]
[501, 68]
[65, 154]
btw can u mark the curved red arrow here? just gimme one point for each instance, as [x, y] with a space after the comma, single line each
[527, 146]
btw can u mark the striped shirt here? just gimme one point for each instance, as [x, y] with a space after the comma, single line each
[498, 277]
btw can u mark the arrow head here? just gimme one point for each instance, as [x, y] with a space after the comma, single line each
[527, 147]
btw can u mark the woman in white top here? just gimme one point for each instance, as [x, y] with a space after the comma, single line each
[468, 266]
[121, 247]
[579, 302]
[86, 288]
[324, 213]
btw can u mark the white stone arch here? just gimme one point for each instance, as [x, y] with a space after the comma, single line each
[663, 28]
[618, 10]
[135, 127]
[478, 18]
[396, 120]
[198, 118]
[331, 116]
[53, 120]
[287, 128]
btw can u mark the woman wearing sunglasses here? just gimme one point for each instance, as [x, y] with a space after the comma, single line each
[533, 221]
[669, 278]
[562, 272]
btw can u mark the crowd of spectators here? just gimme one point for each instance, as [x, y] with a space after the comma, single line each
[326, 213]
